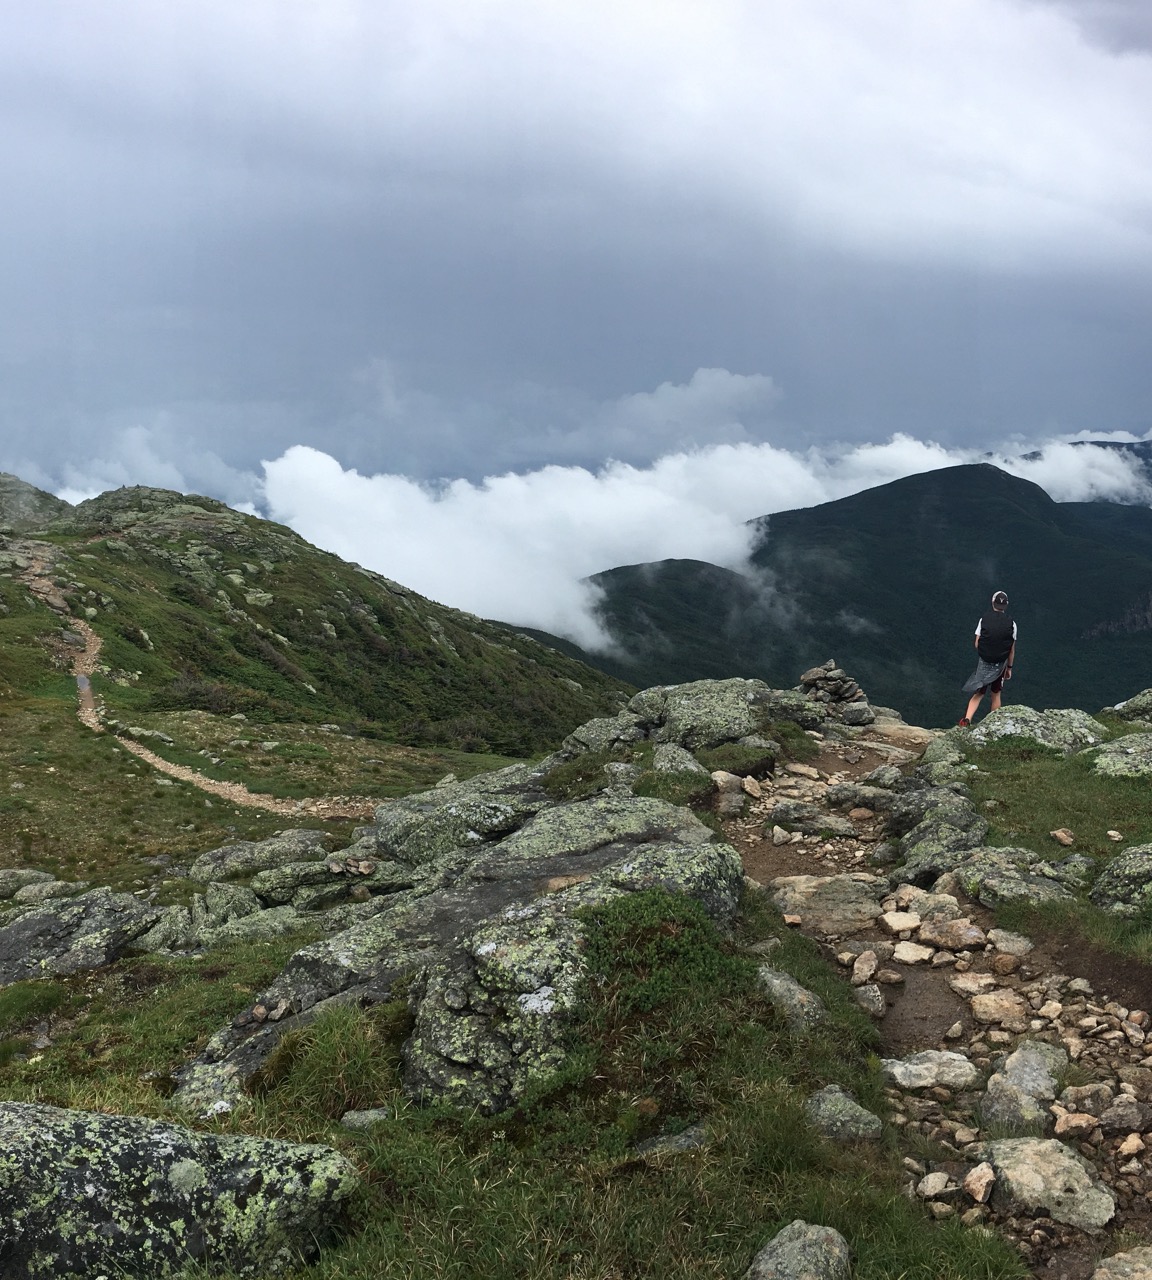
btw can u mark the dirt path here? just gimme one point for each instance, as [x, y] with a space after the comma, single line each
[84, 662]
[1091, 1002]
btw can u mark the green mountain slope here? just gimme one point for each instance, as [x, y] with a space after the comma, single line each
[891, 581]
[200, 606]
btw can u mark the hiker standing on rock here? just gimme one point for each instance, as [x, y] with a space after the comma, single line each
[996, 652]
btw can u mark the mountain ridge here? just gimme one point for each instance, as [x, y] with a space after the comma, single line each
[892, 580]
[199, 606]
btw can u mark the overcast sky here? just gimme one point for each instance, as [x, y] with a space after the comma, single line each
[444, 240]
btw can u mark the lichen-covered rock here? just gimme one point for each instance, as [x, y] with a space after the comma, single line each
[68, 935]
[1138, 707]
[996, 875]
[1125, 885]
[415, 932]
[802, 1009]
[83, 1195]
[1035, 1066]
[245, 857]
[586, 825]
[803, 1251]
[946, 749]
[277, 885]
[1064, 730]
[493, 1013]
[670, 758]
[695, 1138]
[831, 904]
[852, 795]
[13, 879]
[436, 824]
[32, 894]
[648, 705]
[1127, 757]
[795, 815]
[224, 902]
[603, 733]
[705, 713]
[792, 705]
[838, 1115]
[1044, 1174]
[1007, 1107]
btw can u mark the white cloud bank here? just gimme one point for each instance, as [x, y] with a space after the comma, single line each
[516, 546]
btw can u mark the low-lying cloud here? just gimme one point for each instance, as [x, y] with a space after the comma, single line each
[518, 546]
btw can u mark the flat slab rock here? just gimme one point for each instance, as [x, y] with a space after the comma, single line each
[929, 1068]
[1044, 1174]
[83, 1194]
[831, 904]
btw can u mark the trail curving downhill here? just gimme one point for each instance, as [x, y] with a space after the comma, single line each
[84, 662]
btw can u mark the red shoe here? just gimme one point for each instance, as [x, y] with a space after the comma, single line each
[963, 722]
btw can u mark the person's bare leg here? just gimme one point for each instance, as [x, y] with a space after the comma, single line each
[973, 705]
[996, 702]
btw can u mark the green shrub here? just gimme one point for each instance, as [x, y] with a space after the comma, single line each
[653, 946]
[686, 787]
[26, 1002]
[747, 762]
[794, 741]
[346, 1060]
[583, 777]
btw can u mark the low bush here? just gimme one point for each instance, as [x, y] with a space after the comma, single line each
[747, 762]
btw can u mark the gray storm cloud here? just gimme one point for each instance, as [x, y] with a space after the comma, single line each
[435, 238]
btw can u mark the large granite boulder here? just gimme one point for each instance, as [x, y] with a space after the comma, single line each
[605, 842]
[84, 1195]
[1125, 885]
[1126, 757]
[708, 712]
[67, 935]
[948, 828]
[1138, 707]
[603, 734]
[1064, 730]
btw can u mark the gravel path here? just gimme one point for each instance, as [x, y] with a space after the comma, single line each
[980, 1002]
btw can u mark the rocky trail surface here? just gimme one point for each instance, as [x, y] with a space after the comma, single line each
[985, 1033]
[79, 648]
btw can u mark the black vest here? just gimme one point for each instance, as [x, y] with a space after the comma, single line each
[995, 637]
